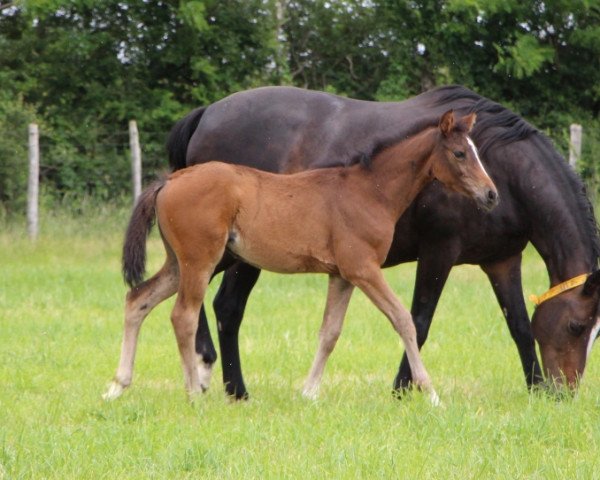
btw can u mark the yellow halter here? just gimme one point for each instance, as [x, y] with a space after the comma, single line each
[560, 288]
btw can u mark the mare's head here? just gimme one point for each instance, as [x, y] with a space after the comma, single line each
[565, 327]
[456, 161]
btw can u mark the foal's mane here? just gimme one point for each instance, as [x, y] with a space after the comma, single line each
[365, 158]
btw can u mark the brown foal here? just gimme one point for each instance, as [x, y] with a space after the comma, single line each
[338, 221]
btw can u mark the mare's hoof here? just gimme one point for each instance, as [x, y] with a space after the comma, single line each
[402, 387]
[401, 393]
[236, 394]
[237, 397]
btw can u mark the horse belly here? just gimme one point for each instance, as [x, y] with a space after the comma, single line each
[292, 251]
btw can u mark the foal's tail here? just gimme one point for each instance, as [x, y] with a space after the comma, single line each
[179, 138]
[140, 224]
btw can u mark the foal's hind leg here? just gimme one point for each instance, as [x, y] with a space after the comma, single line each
[140, 301]
[338, 297]
[192, 287]
[371, 281]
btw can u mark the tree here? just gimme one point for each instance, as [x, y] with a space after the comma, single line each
[88, 67]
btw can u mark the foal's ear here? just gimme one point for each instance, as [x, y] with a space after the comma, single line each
[592, 284]
[447, 122]
[470, 121]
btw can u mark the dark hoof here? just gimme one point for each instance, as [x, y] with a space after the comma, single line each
[402, 387]
[235, 395]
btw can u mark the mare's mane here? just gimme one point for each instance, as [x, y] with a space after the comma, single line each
[495, 127]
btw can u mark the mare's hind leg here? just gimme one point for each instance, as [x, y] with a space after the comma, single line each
[338, 297]
[139, 303]
[229, 304]
[371, 281]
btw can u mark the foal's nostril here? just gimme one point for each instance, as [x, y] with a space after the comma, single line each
[491, 199]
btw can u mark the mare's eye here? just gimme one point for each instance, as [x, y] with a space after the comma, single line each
[576, 328]
[459, 154]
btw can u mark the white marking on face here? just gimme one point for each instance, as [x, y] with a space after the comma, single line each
[593, 334]
[476, 153]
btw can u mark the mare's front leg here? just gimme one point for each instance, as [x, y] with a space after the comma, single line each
[370, 280]
[505, 277]
[139, 303]
[229, 304]
[338, 297]
[433, 268]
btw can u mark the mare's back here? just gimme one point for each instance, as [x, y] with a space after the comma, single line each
[287, 129]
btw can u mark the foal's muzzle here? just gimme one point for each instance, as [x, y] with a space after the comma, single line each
[488, 199]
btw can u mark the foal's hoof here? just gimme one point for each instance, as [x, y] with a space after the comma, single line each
[204, 374]
[311, 393]
[194, 397]
[434, 399]
[115, 390]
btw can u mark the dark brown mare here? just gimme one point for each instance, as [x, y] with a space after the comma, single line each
[283, 129]
[204, 210]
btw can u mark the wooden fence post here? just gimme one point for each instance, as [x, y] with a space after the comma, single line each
[575, 144]
[33, 182]
[136, 159]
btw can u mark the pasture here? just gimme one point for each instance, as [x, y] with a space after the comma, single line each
[61, 303]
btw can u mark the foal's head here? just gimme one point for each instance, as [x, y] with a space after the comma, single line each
[456, 161]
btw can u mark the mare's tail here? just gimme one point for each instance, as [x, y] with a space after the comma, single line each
[140, 224]
[179, 138]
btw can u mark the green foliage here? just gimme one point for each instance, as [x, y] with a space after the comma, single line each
[334, 46]
[84, 68]
[526, 57]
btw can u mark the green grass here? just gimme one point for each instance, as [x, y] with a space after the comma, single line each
[61, 302]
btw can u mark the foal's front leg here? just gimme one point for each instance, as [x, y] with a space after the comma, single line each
[139, 303]
[371, 281]
[338, 297]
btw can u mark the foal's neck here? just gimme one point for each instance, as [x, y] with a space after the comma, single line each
[401, 171]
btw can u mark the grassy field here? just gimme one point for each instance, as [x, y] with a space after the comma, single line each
[61, 302]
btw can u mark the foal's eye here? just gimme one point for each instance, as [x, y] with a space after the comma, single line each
[459, 154]
[576, 328]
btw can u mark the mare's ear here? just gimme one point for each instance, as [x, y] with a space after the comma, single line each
[447, 122]
[592, 284]
[470, 121]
